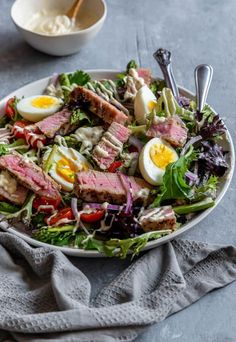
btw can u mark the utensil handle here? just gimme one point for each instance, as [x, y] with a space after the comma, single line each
[163, 58]
[203, 75]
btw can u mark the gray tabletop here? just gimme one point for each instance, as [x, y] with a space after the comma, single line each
[196, 31]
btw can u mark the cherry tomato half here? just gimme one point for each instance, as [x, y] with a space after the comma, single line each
[92, 217]
[65, 213]
[41, 201]
[114, 166]
[9, 108]
[18, 129]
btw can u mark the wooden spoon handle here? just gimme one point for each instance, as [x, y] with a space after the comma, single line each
[73, 11]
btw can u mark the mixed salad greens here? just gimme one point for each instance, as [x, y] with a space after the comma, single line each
[170, 153]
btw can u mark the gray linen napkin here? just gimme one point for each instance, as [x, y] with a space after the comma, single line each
[43, 297]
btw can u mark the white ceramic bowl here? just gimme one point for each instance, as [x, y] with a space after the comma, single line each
[63, 44]
[38, 87]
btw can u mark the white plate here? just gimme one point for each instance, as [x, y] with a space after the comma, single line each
[38, 87]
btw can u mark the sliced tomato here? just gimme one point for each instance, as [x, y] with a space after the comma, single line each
[65, 213]
[34, 137]
[18, 129]
[114, 166]
[9, 108]
[45, 201]
[92, 217]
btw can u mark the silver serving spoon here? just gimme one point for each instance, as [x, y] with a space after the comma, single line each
[203, 75]
[163, 58]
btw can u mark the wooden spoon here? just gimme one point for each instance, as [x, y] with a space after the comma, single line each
[74, 10]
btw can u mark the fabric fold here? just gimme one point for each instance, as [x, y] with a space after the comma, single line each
[44, 297]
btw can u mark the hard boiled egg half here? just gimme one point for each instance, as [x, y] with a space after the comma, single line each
[144, 103]
[154, 158]
[64, 164]
[36, 108]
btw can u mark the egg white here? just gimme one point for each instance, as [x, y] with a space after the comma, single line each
[35, 114]
[151, 172]
[141, 104]
[67, 153]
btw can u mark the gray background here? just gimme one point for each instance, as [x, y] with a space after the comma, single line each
[196, 31]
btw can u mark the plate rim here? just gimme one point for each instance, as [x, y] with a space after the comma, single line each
[4, 225]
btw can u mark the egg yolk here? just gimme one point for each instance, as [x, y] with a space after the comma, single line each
[151, 105]
[67, 169]
[161, 155]
[43, 102]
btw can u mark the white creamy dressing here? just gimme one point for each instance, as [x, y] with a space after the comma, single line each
[155, 214]
[105, 227]
[109, 140]
[89, 136]
[99, 151]
[134, 83]
[158, 119]
[143, 193]
[54, 23]
[43, 207]
[60, 140]
[113, 140]
[7, 182]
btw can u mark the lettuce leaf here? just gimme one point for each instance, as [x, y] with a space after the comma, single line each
[79, 77]
[206, 189]
[7, 208]
[77, 116]
[212, 159]
[25, 212]
[174, 185]
[131, 65]
[65, 236]
[16, 145]
[67, 81]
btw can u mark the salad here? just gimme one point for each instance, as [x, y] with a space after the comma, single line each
[107, 165]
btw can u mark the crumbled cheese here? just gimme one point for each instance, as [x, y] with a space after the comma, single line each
[89, 136]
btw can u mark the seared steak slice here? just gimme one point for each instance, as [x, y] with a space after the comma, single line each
[55, 123]
[110, 145]
[171, 129]
[158, 219]
[96, 186]
[97, 105]
[30, 175]
[10, 190]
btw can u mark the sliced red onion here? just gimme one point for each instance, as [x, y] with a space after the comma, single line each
[99, 206]
[74, 207]
[128, 188]
[189, 143]
[136, 143]
[192, 177]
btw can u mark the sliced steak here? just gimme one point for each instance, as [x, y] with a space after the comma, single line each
[158, 219]
[88, 99]
[55, 123]
[171, 129]
[110, 145]
[96, 186]
[30, 175]
[10, 190]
